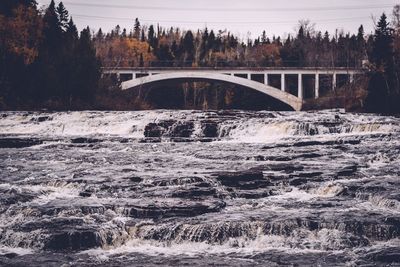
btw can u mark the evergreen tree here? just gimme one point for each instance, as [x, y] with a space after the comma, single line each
[62, 16]
[88, 68]
[117, 31]
[188, 48]
[382, 51]
[143, 36]
[360, 34]
[68, 67]
[100, 35]
[264, 37]
[383, 87]
[49, 54]
[151, 37]
[136, 29]
[211, 41]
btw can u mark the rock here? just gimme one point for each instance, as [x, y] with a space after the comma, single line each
[42, 119]
[13, 196]
[10, 255]
[247, 180]
[209, 128]
[85, 194]
[136, 179]
[169, 128]
[19, 142]
[158, 210]
[84, 140]
[194, 192]
[388, 255]
[76, 239]
[347, 171]
[158, 129]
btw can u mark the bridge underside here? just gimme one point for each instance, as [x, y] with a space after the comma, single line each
[292, 101]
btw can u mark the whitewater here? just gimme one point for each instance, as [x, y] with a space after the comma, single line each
[183, 187]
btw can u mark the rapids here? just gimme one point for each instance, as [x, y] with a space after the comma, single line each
[175, 188]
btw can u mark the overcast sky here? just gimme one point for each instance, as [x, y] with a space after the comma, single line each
[241, 17]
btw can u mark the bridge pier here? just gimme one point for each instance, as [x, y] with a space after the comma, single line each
[300, 86]
[266, 82]
[351, 78]
[283, 86]
[316, 85]
[334, 81]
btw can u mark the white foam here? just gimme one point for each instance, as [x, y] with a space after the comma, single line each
[256, 127]
[16, 250]
[242, 245]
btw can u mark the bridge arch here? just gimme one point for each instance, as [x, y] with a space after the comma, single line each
[291, 100]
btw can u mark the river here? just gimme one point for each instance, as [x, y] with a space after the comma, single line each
[172, 188]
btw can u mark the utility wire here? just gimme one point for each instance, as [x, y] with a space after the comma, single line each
[218, 9]
[216, 22]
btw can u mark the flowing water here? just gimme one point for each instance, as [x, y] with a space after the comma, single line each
[172, 188]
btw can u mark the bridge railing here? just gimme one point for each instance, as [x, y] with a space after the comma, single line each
[232, 64]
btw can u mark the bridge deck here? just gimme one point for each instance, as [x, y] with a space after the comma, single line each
[235, 69]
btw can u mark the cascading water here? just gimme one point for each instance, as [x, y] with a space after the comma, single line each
[192, 187]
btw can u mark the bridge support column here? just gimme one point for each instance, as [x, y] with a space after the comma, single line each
[316, 86]
[351, 77]
[248, 76]
[334, 81]
[266, 79]
[300, 86]
[283, 87]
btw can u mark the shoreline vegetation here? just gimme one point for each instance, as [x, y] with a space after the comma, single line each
[45, 64]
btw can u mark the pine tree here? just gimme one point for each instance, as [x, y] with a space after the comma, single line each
[382, 51]
[360, 34]
[136, 29]
[50, 52]
[151, 37]
[211, 41]
[68, 79]
[88, 67]
[143, 36]
[264, 37]
[188, 47]
[100, 35]
[383, 85]
[62, 16]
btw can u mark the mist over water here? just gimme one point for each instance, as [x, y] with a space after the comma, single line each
[200, 188]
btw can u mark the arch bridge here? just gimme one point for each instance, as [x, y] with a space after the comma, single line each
[270, 81]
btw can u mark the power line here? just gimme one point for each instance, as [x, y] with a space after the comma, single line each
[216, 9]
[217, 22]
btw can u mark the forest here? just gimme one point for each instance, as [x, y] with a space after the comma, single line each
[47, 64]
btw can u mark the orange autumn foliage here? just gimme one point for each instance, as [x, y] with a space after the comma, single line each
[23, 33]
[124, 52]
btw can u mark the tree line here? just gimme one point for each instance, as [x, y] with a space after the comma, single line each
[173, 47]
[45, 62]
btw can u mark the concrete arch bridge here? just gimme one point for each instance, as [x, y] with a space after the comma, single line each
[270, 81]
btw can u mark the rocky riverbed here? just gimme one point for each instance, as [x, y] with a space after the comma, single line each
[175, 188]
